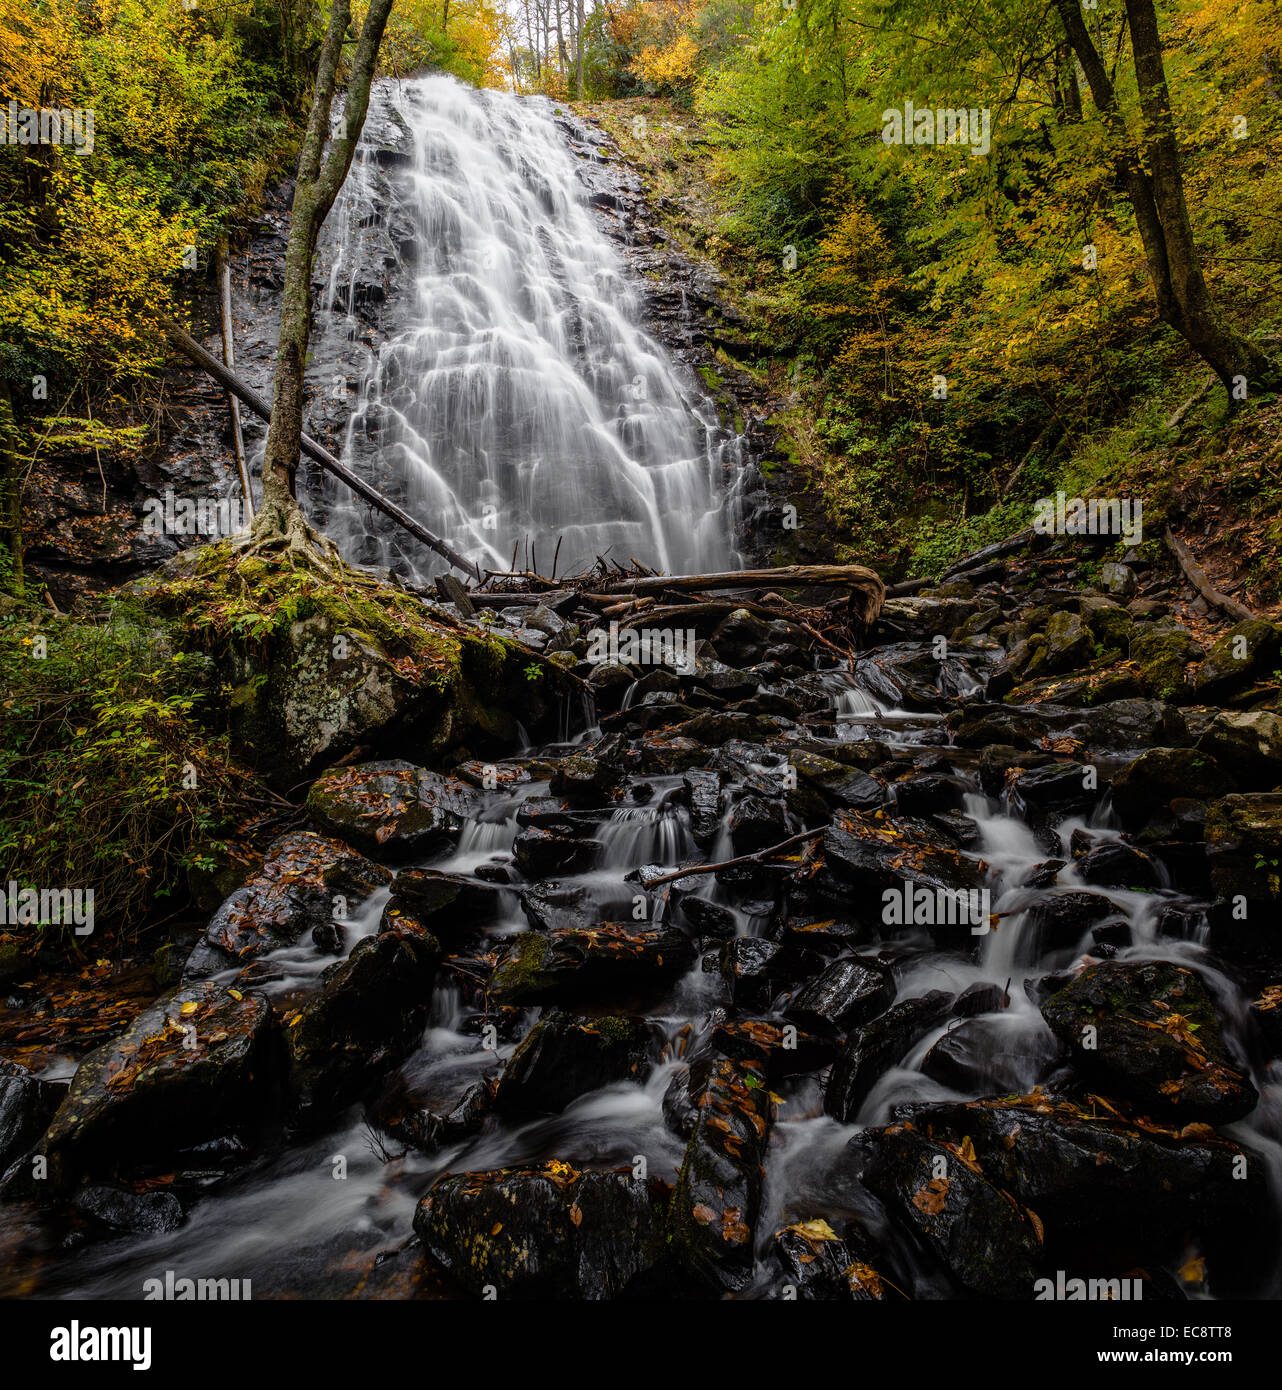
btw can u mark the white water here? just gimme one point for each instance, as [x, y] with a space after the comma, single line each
[515, 400]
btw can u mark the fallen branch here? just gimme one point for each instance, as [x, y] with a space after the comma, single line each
[1188, 405]
[229, 357]
[755, 858]
[187, 345]
[1196, 576]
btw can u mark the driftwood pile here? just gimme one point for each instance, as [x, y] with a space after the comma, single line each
[637, 597]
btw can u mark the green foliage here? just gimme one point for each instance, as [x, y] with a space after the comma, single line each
[110, 778]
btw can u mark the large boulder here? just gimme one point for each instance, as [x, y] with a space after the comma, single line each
[1110, 1194]
[365, 1017]
[1148, 1031]
[194, 1066]
[393, 809]
[1159, 776]
[1247, 652]
[27, 1104]
[986, 1240]
[1247, 745]
[563, 1057]
[844, 995]
[306, 881]
[545, 1233]
[717, 1199]
[571, 963]
[878, 1045]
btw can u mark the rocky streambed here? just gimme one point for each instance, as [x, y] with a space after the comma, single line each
[1004, 1006]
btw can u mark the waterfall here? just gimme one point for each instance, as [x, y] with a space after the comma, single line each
[508, 395]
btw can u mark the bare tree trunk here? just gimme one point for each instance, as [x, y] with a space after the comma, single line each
[10, 489]
[319, 180]
[1154, 184]
[578, 52]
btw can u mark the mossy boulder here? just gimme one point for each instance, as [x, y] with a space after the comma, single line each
[546, 1233]
[1160, 775]
[1247, 652]
[1247, 745]
[1162, 651]
[1068, 646]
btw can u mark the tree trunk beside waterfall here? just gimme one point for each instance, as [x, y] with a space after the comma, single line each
[319, 180]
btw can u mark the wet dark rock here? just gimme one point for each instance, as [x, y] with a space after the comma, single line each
[563, 1057]
[998, 763]
[719, 728]
[872, 855]
[742, 639]
[305, 882]
[364, 1018]
[756, 822]
[877, 1045]
[551, 905]
[928, 795]
[1248, 746]
[545, 1233]
[544, 853]
[980, 998]
[703, 788]
[1148, 1031]
[984, 1054]
[708, 919]
[820, 1266]
[1054, 792]
[453, 907]
[836, 783]
[1158, 775]
[1244, 849]
[778, 1049]
[986, 1241]
[1107, 1192]
[27, 1104]
[586, 775]
[193, 1066]
[391, 809]
[960, 828]
[1246, 652]
[137, 1213]
[752, 967]
[844, 995]
[570, 964]
[1116, 865]
[717, 1199]
[1043, 875]
[1058, 921]
[429, 1128]
[1116, 934]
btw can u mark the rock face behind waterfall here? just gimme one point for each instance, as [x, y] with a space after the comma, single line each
[479, 341]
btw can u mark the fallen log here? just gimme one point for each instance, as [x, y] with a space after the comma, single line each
[187, 345]
[857, 577]
[1196, 576]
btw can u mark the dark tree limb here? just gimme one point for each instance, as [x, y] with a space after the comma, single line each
[755, 858]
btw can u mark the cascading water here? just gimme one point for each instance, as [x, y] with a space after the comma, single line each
[513, 399]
